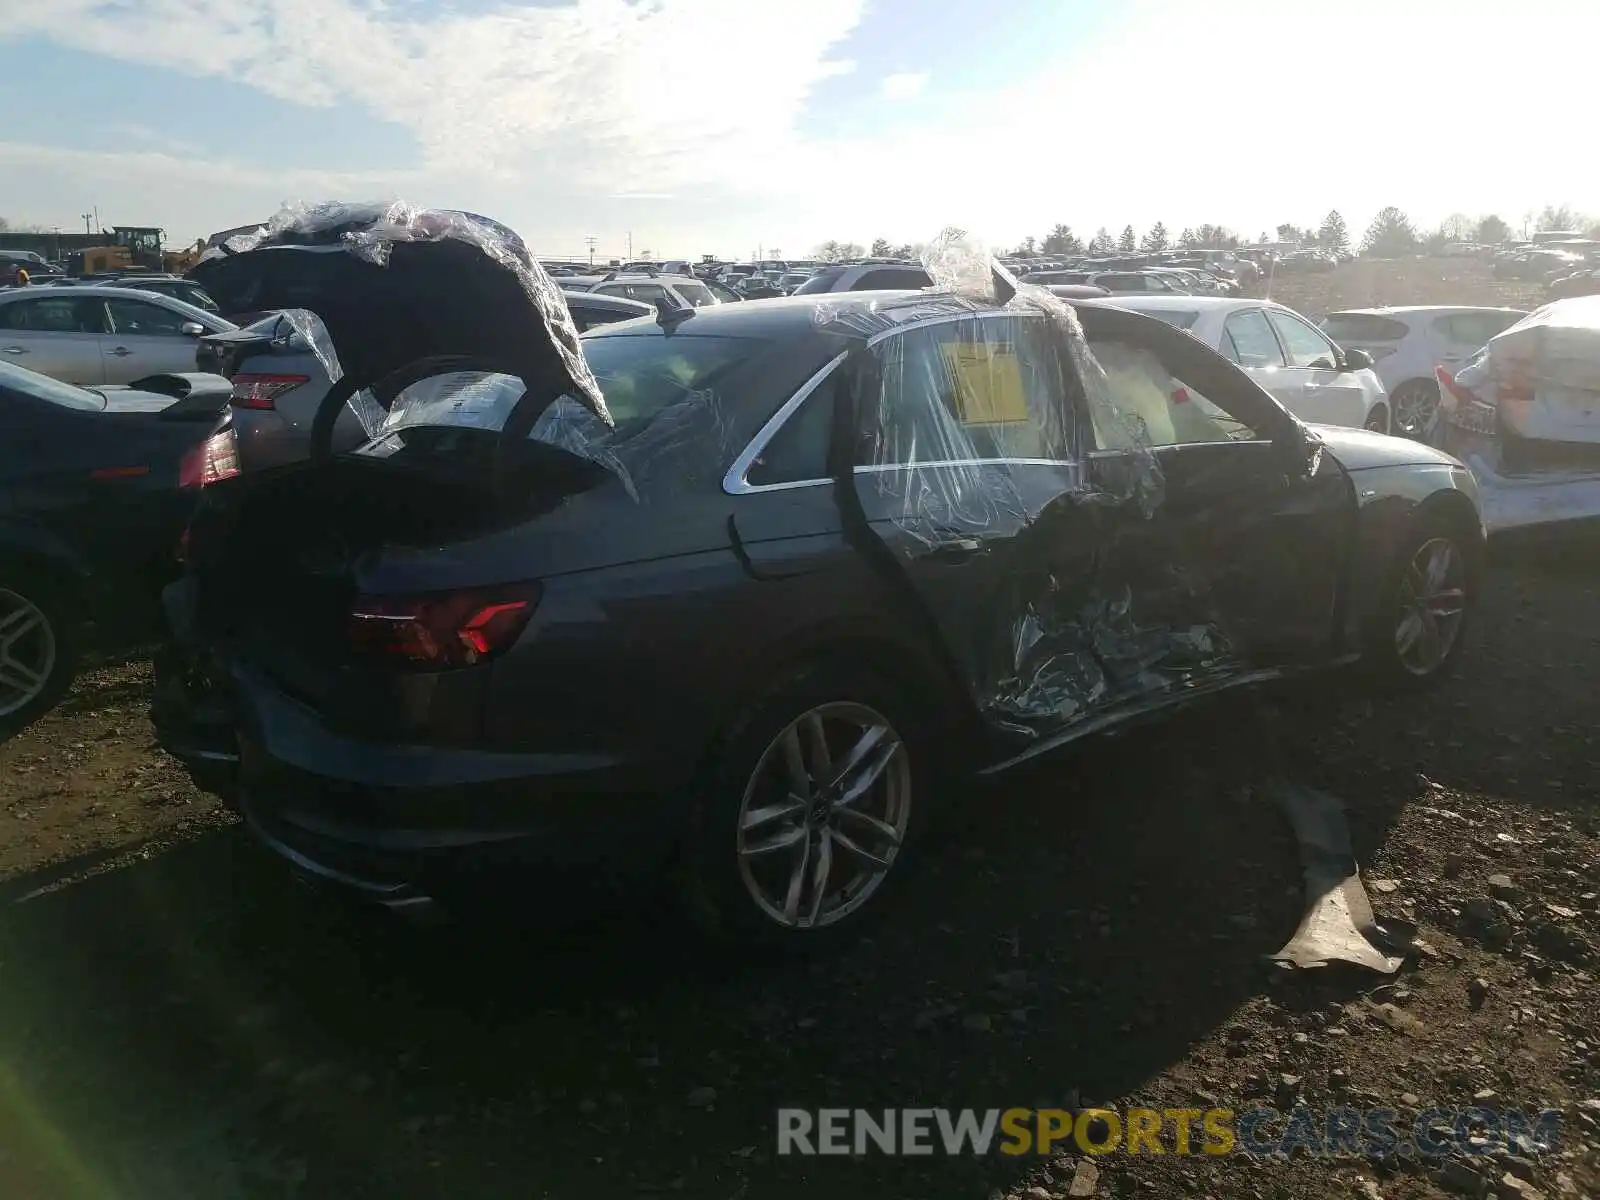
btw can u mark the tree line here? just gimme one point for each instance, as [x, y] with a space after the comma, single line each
[1390, 235]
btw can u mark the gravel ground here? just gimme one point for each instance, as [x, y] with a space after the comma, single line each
[177, 1019]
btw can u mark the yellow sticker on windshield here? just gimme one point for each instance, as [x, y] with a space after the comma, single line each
[988, 383]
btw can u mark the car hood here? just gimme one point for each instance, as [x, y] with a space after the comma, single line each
[393, 284]
[1359, 449]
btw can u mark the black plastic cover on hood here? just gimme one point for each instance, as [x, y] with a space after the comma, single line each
[394, 284]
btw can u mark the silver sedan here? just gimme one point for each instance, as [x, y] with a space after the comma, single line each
[95, 335]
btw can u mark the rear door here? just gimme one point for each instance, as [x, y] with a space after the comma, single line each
[964, 458]
[145, 339]
[1327, 393]
[56, 334]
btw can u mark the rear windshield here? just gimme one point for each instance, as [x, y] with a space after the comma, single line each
[51, 391]
[641, 376]
[1363, 327]
[696, 294]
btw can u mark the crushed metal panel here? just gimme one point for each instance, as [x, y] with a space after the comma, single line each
[1338, 924]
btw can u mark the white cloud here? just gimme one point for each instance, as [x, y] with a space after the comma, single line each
[605, 92]
[592, 116]
[903, 85]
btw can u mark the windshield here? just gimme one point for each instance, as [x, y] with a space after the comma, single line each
[42, 387]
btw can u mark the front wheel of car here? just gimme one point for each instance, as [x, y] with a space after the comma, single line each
[38, 648]
[1414, 402]
[803, 823]
[1418, 632]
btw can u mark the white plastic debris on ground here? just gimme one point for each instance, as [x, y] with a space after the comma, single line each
[1524, 415]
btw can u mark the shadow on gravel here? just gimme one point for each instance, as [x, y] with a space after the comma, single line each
[196, 1024]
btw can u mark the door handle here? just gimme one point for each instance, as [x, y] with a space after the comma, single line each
[120, 352]
[14, 350]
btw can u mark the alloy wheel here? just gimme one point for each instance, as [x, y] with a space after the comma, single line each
[1414, 405]
[824, 815]
[27, 652]
[1432, 602]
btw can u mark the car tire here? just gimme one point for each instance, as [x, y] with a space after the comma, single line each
[1434, 576]
[41, 632]
[1378, 419]
[1414, 404]
[753, 852]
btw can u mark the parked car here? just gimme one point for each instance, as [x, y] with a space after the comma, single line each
[681, 291]
[789, 280]
[864, 277]
[1585, 282]
[1283, 352]
[680, 616]
[100, 334]
[1405, 344]
[1524, 414]
[174, 286]
[279, 381]
[38, 268]
[1126, 282]
[90, 515]
[1076, 291]
[758, 287]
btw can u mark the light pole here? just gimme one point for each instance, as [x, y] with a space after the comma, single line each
[591, 243]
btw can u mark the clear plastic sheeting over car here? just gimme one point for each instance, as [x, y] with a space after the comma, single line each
[974, 446]
[371, 231]
[1524, 415]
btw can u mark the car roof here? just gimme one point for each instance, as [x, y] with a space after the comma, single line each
[597, 301]
[778, 317]
[1193, 303]
[646, 277]
[1422, 310]
[107, 292]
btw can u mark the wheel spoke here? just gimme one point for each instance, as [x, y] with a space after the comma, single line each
[867, 773]
[864, 746]
[1447, 602]
[794, 759]
[1439, 564]
[17, 623]
[782, 840]
[817, 737]
[797, 879]
[866, 820]
[1430, 642]
[1405, 637]
[756, 817]
[19, 675]
[819, 877]
[848, 844]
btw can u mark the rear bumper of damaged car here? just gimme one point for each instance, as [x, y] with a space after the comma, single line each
[410, 827]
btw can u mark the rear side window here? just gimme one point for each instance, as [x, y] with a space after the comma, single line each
[1306, 347]
[967, 390]
[1359, 328]
[1249, 340]
[1474, 329]
[52, 315]
[892, 278]
[822, 281]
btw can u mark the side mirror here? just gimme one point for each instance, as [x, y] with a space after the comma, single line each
[1292, 445]
[1357, 360]
[192, 329]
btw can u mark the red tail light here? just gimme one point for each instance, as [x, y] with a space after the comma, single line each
[262, 391]
[213, 460]
[450, 629]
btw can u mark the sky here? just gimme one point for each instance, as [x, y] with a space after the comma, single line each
[683, 127]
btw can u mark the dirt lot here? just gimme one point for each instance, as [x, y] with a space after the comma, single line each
[178, 1020]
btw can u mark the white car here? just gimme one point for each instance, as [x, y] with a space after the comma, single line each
[1282, 351]
[1406, 344]
[685, 291]
[98, 335]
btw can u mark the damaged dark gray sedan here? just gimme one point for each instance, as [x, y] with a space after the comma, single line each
[739, 602]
